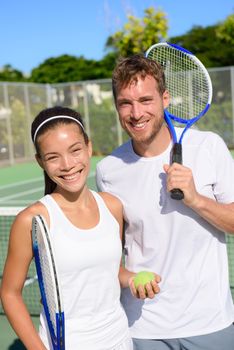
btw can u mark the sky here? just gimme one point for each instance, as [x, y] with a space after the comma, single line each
[33, 31]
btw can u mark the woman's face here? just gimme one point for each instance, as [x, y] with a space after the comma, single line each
[65, 156]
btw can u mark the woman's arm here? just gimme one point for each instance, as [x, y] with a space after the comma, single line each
[125, 276]
[15, 271]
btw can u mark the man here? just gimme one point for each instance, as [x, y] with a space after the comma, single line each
[183, 241]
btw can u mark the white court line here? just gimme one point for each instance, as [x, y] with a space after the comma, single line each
[22, 193]
[19, 183]
[16, 195]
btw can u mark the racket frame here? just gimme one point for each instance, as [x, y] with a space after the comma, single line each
[58, 335]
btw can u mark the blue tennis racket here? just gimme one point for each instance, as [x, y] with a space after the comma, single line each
[190, 89]
[48, 281]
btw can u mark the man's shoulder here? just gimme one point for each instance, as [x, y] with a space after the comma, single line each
[196, 136]
[118, 156]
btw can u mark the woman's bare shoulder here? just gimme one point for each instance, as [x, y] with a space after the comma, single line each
[113, 203]
[24, 217]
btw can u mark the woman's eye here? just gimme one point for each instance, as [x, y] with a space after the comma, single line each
[51, 158]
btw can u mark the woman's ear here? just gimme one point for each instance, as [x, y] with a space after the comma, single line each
[38, 159]
[90, 149]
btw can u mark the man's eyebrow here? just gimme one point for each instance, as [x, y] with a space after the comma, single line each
[141, 98]
[146, 97]
[124, 99]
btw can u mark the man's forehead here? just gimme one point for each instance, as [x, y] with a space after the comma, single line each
[136, 79]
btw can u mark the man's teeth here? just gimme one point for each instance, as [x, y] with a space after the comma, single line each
[139, 125]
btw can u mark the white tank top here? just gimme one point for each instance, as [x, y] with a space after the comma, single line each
[88, 265]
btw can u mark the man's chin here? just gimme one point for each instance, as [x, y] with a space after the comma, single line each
[142, 139]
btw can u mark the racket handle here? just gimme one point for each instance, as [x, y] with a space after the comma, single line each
[176, 193]
[177, 153]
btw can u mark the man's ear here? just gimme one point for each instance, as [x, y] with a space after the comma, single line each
[166, 99]
[38, 159]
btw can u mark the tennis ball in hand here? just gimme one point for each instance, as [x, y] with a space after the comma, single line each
[142, 278]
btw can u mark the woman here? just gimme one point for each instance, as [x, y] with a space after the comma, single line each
[85, 228]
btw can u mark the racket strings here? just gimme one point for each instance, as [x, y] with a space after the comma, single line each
[48, 283]
[55, 277]
[186, 82]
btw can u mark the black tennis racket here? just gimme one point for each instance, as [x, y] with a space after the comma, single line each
[190, 89]
[48, 281]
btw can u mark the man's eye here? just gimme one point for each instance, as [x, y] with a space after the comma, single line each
[146, 101]
[124, 103]
[77, 150]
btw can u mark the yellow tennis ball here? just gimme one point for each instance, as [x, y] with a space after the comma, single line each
[142, 278]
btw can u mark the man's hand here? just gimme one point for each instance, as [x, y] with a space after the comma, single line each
[147, 291]
[179, 176]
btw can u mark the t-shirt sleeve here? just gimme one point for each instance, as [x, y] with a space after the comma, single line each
[99, 179]
[224, 184]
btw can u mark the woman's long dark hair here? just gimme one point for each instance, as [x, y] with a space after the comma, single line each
[44, 115]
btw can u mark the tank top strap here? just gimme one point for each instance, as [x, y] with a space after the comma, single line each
[103, 209]
[53, 209]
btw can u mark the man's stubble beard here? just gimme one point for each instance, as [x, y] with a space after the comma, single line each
[147, 140]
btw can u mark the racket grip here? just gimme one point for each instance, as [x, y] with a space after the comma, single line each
[177, 153]
[176, 193]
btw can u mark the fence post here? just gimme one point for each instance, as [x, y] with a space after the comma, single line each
[8, 124]
[232, 99]
[29, 145]
[86, 110]
[48, 95]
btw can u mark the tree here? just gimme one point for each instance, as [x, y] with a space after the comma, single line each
[226, 29]
[205, 43]
[68, 68]
[8, 73]
[138, 34]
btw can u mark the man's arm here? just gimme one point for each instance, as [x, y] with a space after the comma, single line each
[217, 214]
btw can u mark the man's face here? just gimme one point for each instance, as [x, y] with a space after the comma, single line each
[141, 109]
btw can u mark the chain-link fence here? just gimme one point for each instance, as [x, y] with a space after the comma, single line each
[20, 102]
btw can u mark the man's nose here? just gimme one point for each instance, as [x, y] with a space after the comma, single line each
[137, 111]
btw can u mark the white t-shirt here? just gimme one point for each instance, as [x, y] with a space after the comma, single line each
[165, 236]
[88, 265]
